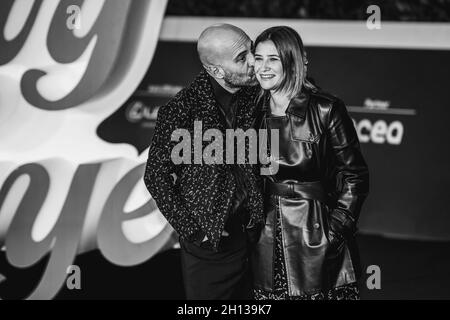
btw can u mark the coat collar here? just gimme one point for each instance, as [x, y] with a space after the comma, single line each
[297, 106]
[222, 96]
[208, 110]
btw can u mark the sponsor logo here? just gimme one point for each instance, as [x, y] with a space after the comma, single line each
[381, 131]
[138, 111]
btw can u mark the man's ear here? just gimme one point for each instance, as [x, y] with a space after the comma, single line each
[215, 71]
[219, 72]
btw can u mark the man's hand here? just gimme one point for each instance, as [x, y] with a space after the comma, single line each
[224, 234]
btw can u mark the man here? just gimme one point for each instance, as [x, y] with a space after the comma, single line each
[211, 206]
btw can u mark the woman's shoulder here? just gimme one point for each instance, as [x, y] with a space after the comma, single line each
[327, 105]
[324, 96]
[326, 101]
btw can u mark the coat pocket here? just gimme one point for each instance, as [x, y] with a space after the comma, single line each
[306, 139]
[317, 224]
[301, 131]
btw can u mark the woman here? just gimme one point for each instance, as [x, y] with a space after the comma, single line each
[307, 248]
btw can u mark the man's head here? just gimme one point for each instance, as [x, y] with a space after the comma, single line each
[226, 53]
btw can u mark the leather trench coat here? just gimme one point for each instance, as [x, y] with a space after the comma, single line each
[318, 190]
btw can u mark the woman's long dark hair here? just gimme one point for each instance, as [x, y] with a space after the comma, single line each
[292, 54]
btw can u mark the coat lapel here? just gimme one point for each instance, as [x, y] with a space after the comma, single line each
[246, 111]
[207, 110]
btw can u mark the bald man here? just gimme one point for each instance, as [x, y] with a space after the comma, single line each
[213, 207]
[226, 54]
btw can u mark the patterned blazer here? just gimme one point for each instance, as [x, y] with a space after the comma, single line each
[198, 199]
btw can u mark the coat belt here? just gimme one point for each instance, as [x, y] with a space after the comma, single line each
[312, 190]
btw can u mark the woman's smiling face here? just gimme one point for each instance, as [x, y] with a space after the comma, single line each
[268, 67]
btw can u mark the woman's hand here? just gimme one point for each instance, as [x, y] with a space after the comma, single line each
[336, 241]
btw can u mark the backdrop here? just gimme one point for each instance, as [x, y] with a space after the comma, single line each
[80, 86]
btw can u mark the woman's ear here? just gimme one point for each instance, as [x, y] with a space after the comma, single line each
[305, 63]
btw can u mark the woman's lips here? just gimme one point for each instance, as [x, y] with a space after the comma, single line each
[266, 76]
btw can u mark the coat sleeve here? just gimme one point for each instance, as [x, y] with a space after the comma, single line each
[159, 172]
[351, 170]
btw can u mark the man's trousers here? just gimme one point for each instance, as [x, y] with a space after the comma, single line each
[221, 275]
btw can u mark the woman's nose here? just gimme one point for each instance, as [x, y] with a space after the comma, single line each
[265, 66]
[251, 60]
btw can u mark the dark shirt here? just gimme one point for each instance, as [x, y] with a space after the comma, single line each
[227, 103]
[237, 217]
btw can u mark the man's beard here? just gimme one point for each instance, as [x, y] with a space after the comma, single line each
[240, 80]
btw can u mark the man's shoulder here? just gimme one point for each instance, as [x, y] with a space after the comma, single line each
[186, 97]
[200, 84]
